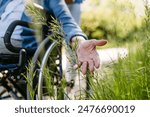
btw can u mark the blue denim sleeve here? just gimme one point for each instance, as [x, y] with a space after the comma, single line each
[79, 1]
[62, 13]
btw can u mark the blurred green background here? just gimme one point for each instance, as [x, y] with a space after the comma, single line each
[116, 20]
[124, 23]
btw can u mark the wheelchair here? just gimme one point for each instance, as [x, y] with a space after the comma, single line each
[21, 79]
[13, 66]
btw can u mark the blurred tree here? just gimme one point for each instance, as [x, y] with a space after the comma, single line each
[114, 19]
[95, 2]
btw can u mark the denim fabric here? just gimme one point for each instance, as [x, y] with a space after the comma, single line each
[75, 11]
[61, 11]
[3, 4]
[15, 11]
[79, 1]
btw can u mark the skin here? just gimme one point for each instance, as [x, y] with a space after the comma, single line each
[86, 52]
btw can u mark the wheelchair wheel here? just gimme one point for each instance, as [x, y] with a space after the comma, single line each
[50, 74]
[46, 77]
[45, 74]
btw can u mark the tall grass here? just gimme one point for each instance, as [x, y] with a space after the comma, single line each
[54, 32]
[128, 79]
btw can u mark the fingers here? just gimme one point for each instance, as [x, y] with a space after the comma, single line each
[100, 42]
[87, 65]
[88, 56]
[84, 68]
[96, 61]
[76, 66]
[91, 65]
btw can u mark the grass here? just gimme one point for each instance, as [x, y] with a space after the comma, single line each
[128, 79]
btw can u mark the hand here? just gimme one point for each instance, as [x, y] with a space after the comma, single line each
[87, 55]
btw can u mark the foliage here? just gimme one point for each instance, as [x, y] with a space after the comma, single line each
[114, 20]
[129, 78]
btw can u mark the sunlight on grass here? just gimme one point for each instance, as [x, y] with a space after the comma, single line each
[126, 79]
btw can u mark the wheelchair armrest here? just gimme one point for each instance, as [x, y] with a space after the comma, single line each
[9, 32]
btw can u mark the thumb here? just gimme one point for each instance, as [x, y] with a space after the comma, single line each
[100, 42]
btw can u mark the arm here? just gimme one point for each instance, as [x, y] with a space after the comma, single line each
[62, 13]
[87, 55]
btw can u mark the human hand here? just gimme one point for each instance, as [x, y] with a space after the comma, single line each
[87, 55]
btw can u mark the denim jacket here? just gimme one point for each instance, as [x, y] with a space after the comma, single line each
[14, 10]
[78, 1]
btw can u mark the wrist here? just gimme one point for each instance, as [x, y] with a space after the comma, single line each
[75, 41]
